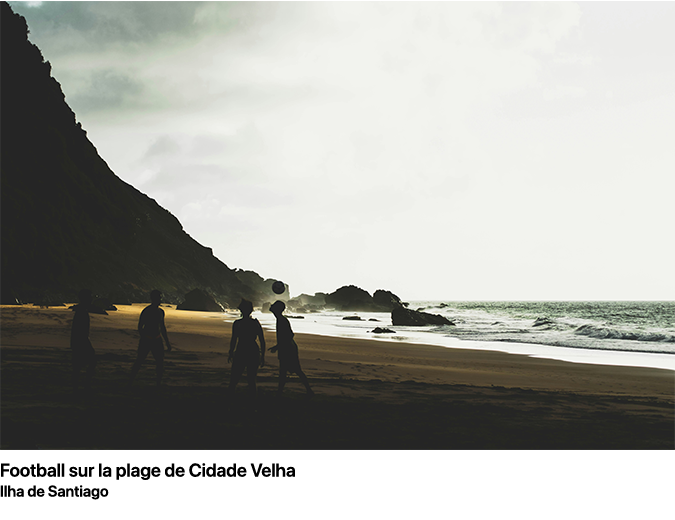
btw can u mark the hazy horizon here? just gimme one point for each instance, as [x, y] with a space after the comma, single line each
[443, 151]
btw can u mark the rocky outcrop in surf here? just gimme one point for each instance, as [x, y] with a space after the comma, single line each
[354, 299]
[306, 303]
[409, 317]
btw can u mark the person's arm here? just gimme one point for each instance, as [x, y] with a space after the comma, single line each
[162, 330]
[261, 335]
[233, 341]
[140, 322]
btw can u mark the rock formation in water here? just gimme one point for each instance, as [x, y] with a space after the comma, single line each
[403, 316]
[352, 298]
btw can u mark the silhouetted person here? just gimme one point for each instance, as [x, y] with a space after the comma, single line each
[289, 361]
[152, 329]
[244, 352]
[83, 352]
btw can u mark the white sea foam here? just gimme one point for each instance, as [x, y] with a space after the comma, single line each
[569, 334]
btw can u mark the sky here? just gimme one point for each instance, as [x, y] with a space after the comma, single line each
[456, 151]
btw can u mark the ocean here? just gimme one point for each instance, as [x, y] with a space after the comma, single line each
[608, 333]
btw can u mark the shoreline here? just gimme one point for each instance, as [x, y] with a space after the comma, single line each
[209, 332]
[370, 393]
[533, 348]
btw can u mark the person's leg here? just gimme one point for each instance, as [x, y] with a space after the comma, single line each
[305, 382]
[158, 354]
[282, 378]
[141, 354]
[79, 362]
[76, 376]
[90, 370]
[251, 375]
[235, 374]
[159, 369]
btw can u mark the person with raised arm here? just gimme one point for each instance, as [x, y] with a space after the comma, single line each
[289, 360]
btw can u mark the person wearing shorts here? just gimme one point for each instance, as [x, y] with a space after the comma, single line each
[152, 329]
[287, 349]
[244, 352]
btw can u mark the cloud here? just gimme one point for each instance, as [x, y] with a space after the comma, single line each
[163, 145]
[560, 91]
[65, 26]
[107, 90]
[371, 136]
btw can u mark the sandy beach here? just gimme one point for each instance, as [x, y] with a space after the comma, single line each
[369, 394]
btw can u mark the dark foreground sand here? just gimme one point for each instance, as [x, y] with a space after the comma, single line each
[369, 394]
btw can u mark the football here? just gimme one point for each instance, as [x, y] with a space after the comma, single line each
[278, 287]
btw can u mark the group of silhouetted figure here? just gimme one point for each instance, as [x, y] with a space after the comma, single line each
[245, 354]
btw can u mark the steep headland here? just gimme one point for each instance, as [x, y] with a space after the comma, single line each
[68, 221]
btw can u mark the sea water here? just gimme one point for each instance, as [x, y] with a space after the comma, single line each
[608, 333]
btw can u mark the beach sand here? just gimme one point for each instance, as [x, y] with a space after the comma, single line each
[369, 394]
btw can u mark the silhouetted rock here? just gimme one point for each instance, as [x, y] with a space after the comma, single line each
[352, 298]
[353, 318]
[306, 303]
[198, 300]
[403, 316]
[7, 296]
[104, 303]
[382, 330]
[318, 299]
[119, 298]
[263, 286]
[48, 299]
[387, 300]
[93, 309]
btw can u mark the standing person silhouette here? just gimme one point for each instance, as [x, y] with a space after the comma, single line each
[83, 352]
[289, 361]
[244, 352]
[152, 329]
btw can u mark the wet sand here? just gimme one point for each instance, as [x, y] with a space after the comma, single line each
[369, 394]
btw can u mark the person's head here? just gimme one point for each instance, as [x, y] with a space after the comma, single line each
[246, 307]
[277, 307]
[155, 297]
[84, 296]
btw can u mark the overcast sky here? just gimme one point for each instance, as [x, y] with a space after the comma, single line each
[439, 150]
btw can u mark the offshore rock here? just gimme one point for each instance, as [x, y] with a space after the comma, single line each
[387, 300]
[403, 316]
[355, 299]
[306, 303]
[350, 298]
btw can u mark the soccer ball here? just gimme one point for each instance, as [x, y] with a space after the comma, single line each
[278, 287]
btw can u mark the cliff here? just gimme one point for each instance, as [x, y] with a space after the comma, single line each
[67, 220]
